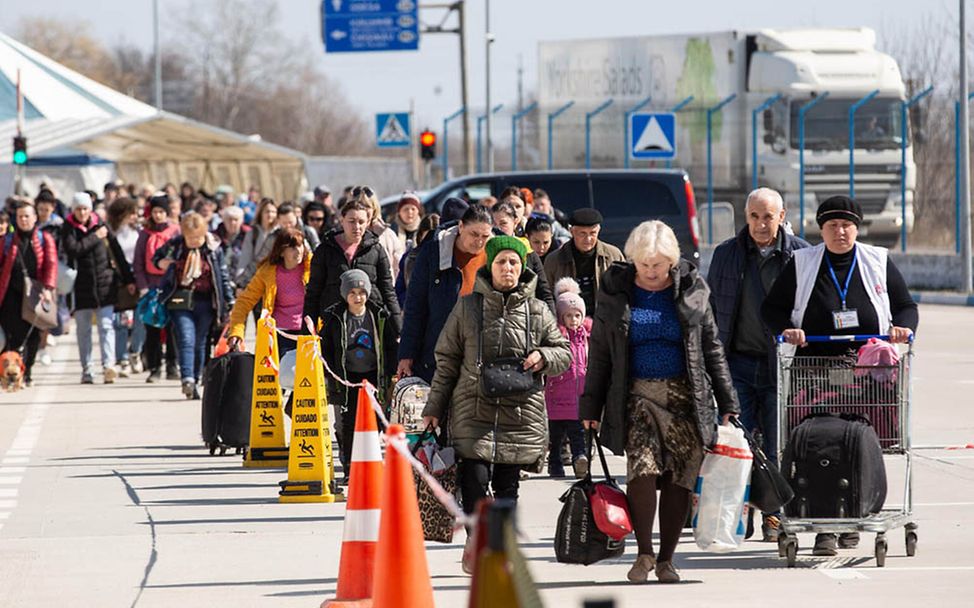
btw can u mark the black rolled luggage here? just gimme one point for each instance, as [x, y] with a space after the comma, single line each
[227, 386]
[835, 465]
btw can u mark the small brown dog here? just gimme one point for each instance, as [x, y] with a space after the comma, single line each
[12, 370]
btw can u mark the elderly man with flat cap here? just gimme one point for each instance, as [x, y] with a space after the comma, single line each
[585, 257]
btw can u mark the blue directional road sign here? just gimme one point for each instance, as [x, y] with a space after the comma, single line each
[652, 135]
[392, 130]
[350, 26]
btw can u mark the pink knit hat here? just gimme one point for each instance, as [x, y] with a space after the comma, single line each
[567, 297]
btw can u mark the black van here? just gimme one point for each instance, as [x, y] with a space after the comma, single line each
[625, 198]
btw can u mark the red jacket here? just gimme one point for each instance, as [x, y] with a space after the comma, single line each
[45, 251]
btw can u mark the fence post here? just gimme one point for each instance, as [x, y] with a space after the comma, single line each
[588, 131]
[514, 120]
[754, 137]
[686, 101]
[710, 166]
[625, 129]
[904, 132]
[446, 142]
[480, 122]
[802, 111]
[551, 120]
[852, 139]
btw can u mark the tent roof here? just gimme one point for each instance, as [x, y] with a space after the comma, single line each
[64, 109]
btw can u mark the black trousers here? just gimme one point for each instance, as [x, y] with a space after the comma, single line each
[19, 333]
[474, 476]
[153, 348]
[345, 425]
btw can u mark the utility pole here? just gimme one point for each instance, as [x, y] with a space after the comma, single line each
[489, 38]
[19, 168]
[520, 82]
[155, 43]
[459, 7]
[965, 158]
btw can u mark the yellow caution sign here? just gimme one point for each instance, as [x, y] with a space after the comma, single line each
[267, 448]
[310, 474]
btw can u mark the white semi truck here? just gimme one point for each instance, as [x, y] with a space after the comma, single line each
[799, 65]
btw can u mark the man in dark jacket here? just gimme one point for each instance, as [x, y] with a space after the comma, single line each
[741, 274]
[584, 258]
[102, 269]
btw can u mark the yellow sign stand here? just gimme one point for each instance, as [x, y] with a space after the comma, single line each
[310, 474]
[267, 448]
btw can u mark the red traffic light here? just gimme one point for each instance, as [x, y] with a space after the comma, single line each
[427, 138]
[427, 145]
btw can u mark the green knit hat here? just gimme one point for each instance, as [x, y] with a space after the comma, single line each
[501, 243]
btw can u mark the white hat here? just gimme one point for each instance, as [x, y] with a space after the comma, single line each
[81, 199]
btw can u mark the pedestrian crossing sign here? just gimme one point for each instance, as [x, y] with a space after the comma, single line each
[392, 130]
[652, 135]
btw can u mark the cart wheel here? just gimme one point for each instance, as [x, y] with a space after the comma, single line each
[223, 450]
[881, 547]
[783, 540]
[911, 543]
[238, 451]
[791, 553]
[212, 449]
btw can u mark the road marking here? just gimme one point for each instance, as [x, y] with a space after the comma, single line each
[8, 504]
[4, 514]
[11, 480]
[4, 470]
[15, 460]
[8, 493]
[927, 568]
[842, 574]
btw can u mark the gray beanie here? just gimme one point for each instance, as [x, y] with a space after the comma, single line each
[355, 278]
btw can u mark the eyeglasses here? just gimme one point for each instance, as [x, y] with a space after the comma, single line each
[316, 218]
[366, 190]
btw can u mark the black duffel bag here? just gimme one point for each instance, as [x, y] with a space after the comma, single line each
[577, 539]
[770, 491]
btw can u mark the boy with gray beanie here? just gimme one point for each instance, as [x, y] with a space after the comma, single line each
[358, 343]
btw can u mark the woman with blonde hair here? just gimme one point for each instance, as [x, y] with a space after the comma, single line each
[196, 291]
[655, 368]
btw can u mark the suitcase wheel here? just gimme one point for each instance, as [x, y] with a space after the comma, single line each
[238, 451]
[881, 547]
[223, 450]
[212, 447]
[791, 551]
[911, 543]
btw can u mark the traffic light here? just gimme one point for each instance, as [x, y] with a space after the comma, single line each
[20, 150]
[427, 145]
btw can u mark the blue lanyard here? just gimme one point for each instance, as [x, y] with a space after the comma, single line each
[843, 292]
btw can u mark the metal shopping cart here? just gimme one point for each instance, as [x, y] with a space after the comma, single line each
[809, 385]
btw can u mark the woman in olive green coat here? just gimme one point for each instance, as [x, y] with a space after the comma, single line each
[496, 437]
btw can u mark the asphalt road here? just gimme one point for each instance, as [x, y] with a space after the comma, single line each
[107, 498]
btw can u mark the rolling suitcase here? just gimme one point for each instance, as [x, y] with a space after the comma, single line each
[834, 463]
[227, 387]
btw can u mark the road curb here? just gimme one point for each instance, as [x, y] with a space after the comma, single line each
[944, 299]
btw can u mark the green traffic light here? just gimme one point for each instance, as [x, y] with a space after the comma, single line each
[20, 157]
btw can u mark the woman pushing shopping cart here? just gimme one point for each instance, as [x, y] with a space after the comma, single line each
[843, 401]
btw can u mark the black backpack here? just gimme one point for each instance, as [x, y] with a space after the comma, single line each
[834, 463]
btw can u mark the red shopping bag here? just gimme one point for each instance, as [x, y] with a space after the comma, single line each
[610, 508]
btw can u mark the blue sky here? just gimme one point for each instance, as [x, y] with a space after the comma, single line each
[387, 81]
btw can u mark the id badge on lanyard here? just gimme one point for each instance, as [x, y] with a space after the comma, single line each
[845, 318]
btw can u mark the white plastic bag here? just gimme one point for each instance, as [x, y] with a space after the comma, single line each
[287, 366]
[720, 497]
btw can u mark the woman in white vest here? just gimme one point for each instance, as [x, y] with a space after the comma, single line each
[839, 287]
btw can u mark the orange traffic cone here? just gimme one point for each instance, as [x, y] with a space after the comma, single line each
[400, 561]
[362, 512]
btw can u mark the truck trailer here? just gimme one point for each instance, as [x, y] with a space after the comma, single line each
[795, 66]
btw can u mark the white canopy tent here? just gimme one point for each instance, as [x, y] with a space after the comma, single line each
[81, 134]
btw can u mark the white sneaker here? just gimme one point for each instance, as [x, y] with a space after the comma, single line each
[110, 374]
[51, 340]
[135, 362]
[44, 357]
[123, 369]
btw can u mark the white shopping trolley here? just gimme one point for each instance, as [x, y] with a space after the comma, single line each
[836, 384]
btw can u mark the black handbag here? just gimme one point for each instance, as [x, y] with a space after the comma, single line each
[504, 376]
[124, 300]
[770, 491]
[182, 299]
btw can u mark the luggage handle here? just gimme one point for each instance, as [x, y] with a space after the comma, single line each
[428, 432]
[593, 438]
[844, 338]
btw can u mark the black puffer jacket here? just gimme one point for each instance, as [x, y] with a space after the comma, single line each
[327, 266]
[607, 382]
[97, 282]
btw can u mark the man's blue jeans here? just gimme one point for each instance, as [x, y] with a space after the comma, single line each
[83, 318]
[757, 391]
[192, 329]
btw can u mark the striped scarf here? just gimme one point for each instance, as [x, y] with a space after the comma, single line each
[192, 269]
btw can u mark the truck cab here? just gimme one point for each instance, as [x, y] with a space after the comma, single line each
[843, 66]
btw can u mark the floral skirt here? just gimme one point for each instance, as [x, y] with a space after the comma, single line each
[662, 432]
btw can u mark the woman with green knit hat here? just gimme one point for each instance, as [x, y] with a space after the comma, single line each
[497, 428]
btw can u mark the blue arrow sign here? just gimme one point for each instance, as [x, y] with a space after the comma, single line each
[392, 130]
[350, 26]
[652, 135]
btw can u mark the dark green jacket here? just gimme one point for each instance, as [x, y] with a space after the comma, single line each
[516, 427]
